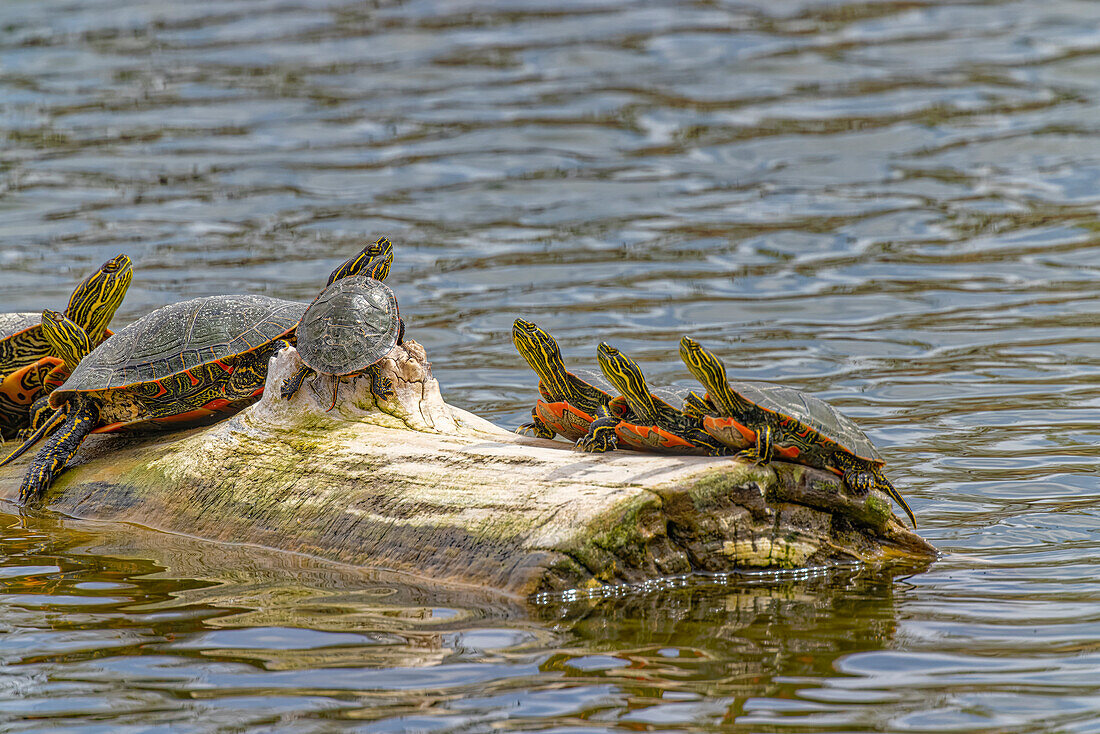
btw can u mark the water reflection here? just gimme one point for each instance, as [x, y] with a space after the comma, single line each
[114, 622]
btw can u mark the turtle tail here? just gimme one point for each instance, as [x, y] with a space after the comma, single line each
[883, 484]
[335, 390]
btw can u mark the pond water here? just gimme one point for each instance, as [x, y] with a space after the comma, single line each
[890, 204]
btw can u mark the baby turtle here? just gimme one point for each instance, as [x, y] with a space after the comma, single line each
[347, 330]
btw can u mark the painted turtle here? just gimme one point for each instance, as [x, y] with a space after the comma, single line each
[570, 400]
[28, 364]
[348, 329]
[185, 364]
[766, 420]
[641, 419]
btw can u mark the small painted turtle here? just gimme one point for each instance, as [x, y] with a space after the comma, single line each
[766, 420]
[347, 330]
[570, 400]
[28, 364]
[641, 419]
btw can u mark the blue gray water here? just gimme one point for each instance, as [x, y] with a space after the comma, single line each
[893, 205]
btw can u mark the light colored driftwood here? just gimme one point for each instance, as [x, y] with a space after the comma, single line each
[418, 486]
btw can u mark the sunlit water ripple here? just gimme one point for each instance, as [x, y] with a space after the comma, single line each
[890, 204]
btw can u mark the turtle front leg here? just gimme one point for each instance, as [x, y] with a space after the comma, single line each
[696, 407]
[381, 386]
[708, 443]
[52, 458]
[601, 434]
[536, 427]
[293, 384]
[763, 451]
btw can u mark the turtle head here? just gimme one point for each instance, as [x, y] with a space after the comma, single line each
[625, 374]
[95, 300]
[374, 262]
[69, 341]
[708, 370]
[539, 349]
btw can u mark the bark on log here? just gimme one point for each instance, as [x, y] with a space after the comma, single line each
[418, 486]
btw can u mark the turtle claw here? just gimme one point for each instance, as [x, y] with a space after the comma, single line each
[293, 384]
[860, 482]
[380, 385]
[598, 442]
[750, 456]
[534, 429]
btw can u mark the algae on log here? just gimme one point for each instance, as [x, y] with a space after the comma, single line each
[415, 485]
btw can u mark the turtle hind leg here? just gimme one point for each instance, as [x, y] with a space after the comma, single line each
[535, 428]
[60, 447]
[601, 434]
[762, 451]
[862, 479]
[293, 384]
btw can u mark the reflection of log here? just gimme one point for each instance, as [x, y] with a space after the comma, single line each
[422, 487]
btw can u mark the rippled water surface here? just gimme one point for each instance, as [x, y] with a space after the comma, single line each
[891, 204]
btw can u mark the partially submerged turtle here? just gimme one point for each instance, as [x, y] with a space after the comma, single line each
[347, 330]
[766, 420]
[570, 400]
[29, 364]
[641, 419]
[185, 364]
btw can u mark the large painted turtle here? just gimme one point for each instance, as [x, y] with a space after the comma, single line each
[28, 363]
[348, 329]
[642, 419]
[185, 364]
[570, 400]
[766, 420]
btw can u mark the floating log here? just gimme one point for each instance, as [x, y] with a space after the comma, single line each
[418, 486]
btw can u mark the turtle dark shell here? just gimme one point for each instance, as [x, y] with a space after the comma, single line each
[351, 325]
[812, 412]
[180, 337]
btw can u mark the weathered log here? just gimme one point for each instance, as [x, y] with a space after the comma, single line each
[418, 486]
